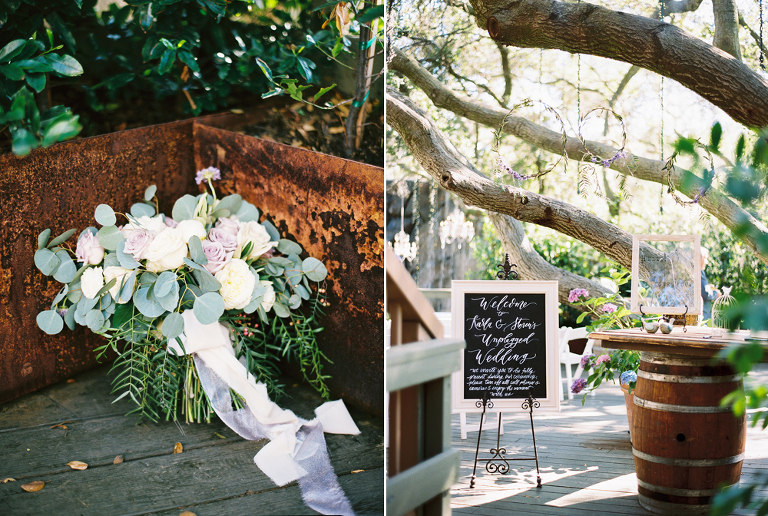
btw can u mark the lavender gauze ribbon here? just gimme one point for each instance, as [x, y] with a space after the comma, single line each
[297, 449]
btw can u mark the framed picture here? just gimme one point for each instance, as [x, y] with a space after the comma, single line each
[666, 274]
[510, 328]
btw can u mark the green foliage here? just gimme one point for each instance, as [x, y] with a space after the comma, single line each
[620, 361]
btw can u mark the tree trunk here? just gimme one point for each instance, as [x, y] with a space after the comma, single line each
[726, 27]
[751, 230]
[651, 44]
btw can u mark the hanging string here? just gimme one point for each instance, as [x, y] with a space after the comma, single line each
[578, 110]
[762, 65]
[416, 228]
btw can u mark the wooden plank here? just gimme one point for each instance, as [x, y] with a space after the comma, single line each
[432, 476]
[422, 362]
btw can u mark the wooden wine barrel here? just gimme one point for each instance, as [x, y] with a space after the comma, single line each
[685, 444]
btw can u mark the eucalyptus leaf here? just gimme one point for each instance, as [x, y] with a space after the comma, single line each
[61, 238]
[150, 192]
[109, 236]
[126, 291]
[248, 212]
[165, 283]
[274, 234]
[142, 209]
[208, 308]
[145, 305]
[103, 290]
[50, 322]
[61, 295]
[220, 213]
[86, 304]
[302, 291]
[75, 293]
[69, 317]
[173, 325]
[105, 215]
[281, 310]
[314, 269]
[111, 260]
[294, 274]
[273, 269]
[288, 247]
[94, 320]
[42, 238]
[47, 261]
[170, 300]
[104, 302]
[126, 260]
[184, 209]
[204, 279]
[231, 203]
[281, 261]
[67, 269]
[196, 250]
[294, 301]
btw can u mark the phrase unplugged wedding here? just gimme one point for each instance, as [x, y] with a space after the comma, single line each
[500, 331]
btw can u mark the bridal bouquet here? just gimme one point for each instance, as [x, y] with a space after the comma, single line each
[139, 278]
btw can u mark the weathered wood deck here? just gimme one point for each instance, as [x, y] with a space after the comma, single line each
[214, 475]
[585, 458]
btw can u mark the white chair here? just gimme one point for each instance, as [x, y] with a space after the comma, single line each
[568, 359]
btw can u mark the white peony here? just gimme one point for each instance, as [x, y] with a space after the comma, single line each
[269, 296]
[154, 225]
[237, 284]
[256, 234]
[190, 228]
[91, 281]
[118, 273]
[167, 251]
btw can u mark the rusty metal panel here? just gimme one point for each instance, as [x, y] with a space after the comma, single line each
[59, 188]
[334, 208]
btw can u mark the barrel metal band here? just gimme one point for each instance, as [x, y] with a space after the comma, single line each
[696, 463]
[678, 509]
[676, 378]
[685, 409]
[676, 491]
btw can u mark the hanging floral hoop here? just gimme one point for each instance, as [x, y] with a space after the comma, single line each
[497, 135]
[589, 159]
[704, 190]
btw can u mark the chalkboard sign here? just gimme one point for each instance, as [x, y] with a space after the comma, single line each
[510, 329]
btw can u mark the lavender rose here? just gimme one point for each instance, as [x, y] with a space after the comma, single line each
[229, 224]
[227, 240]
[217, 256]
[89, 250]
[138, 242]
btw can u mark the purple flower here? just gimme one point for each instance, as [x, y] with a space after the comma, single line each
[208, 174]
[627, 377]
[509, 170]
[609, 308]
[587, 361]
[602, 359]
[576, 293]
[170, 222]
[229, 224]
[578, 385]
[217, 256]
[223, 237]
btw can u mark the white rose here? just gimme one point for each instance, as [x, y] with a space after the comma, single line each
[117, 273]
[91, 281]
[167, 251]
[269, 296]
[256, 234]
[154, 225]
[237, 284]
[190, 228]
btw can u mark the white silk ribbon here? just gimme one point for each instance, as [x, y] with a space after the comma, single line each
[296, 450]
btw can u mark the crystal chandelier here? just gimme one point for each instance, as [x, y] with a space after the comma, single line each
[403, 248]
[457, 228]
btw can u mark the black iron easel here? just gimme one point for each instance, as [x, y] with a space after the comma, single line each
[499, 453]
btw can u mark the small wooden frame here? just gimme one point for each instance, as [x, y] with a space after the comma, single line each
[510, 327]
[675, 285]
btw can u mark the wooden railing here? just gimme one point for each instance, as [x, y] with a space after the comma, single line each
[421, 465]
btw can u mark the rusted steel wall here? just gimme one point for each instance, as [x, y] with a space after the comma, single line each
[59, 188]
[334, 208]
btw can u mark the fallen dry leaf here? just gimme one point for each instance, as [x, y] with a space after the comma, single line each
[178, 448]
[71, 380]
[187, 513]
[9, 479]
[36, 485]
[76, 464]
[217, 434]
[359, 471]
[119, 459]
[60, 425]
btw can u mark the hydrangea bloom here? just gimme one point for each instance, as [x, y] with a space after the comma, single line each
[587, 361]
[578, 385]
[609, 308]
[576, 293]
[602, 359]
[627, 377]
